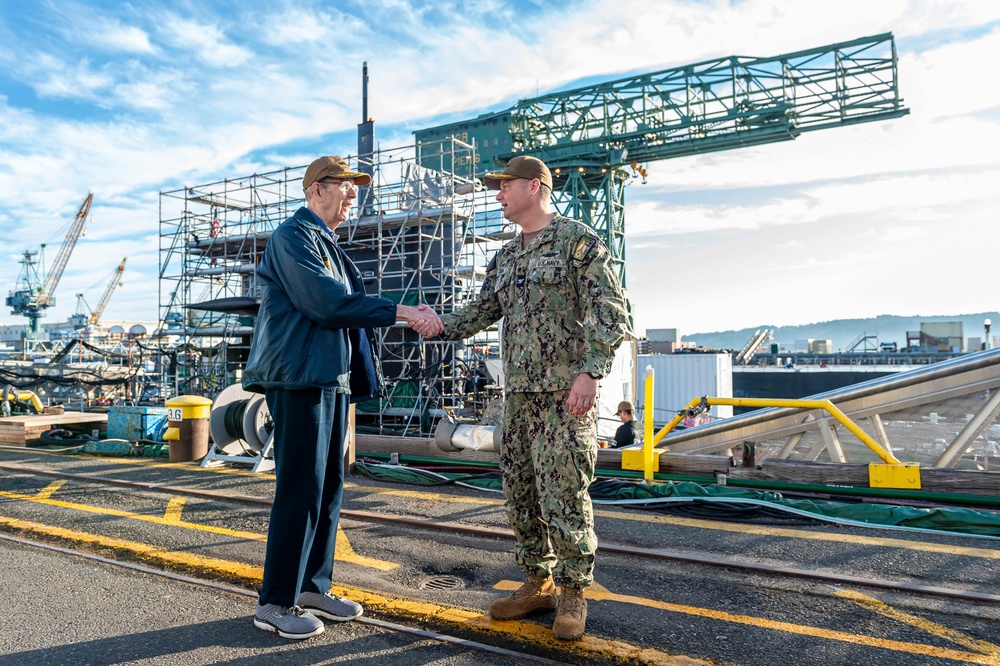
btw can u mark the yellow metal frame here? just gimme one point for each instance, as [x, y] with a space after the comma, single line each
[891, 473]
[25, 396]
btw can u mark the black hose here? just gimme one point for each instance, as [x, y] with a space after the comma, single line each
[60, 436]
[233, 418]
[729, 512]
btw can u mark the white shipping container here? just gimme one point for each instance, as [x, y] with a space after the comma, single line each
[679, 378]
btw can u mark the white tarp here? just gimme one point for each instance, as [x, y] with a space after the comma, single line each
[617, 386]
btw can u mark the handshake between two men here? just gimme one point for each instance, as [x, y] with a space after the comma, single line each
[421, 319]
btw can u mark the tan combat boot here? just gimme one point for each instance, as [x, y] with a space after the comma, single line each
[571, 616]
[537, 594]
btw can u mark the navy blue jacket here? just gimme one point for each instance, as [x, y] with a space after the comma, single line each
[310, 333]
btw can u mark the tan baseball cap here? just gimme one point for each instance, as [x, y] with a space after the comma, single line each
[332, 166]
[624, 406]
[522, 166]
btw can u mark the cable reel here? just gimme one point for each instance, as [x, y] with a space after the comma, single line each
[240, 420]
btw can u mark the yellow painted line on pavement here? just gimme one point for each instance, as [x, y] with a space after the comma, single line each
[932, 628]
[146, 552]
[175, 508]
[923, 546]
[419, 611]
[345, 553]
[47, 491]
[172, 518]
[429, 497]
[598, 593]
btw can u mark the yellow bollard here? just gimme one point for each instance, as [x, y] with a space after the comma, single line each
[647, 439]
[187, 427]
[646, 458]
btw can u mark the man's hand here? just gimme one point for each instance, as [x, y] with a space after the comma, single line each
[432, 326]
[583, 395]
[421, 319]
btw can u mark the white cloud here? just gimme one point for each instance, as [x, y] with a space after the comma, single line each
[944, 82]
[115, 36]
[291, 26]
[59, 79]
[200, 96]
[206, 41]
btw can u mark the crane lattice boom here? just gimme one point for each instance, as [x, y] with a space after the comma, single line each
[587, 135]
[718, 104]
[703, 107]
[115, 282]
[52, 280]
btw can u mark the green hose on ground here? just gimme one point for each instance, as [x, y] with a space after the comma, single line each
[604, 490]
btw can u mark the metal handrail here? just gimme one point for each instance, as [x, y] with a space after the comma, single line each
[977, 371]
[890, 473]
[825, 405]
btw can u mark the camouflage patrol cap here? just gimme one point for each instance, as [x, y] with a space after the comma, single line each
[522, 166]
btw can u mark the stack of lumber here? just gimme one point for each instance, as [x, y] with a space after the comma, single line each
[24, 430]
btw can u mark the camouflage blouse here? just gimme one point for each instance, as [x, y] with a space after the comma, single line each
[562, 306]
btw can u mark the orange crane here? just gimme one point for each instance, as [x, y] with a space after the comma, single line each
[32, 296]
[116, 281]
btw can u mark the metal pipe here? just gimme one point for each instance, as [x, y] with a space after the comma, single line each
[453, 436]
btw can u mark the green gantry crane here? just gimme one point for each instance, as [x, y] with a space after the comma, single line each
[596, 137]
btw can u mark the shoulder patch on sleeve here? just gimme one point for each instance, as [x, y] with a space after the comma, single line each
[584, 246]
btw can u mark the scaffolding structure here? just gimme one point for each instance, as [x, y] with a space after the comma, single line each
[422, 232]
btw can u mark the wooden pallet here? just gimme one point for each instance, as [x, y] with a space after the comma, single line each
[24, 430]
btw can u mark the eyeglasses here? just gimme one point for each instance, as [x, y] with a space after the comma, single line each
[344, 185]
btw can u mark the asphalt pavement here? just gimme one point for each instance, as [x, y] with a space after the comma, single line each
[64, 610]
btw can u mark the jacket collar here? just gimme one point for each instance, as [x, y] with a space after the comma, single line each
[309, 219]
[546, 235]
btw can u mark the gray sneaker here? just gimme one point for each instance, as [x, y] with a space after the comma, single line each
[293, 622]
[330, 606]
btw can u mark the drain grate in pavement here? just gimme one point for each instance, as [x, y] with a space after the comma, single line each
[441, 583]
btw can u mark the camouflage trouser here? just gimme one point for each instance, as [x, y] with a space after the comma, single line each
[547, 458]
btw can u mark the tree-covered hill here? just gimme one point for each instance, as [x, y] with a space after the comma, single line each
[844, 332]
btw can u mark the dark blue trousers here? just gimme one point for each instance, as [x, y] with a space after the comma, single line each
[309, 434]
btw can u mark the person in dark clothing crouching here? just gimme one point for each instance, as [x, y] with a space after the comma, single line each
[627, 432]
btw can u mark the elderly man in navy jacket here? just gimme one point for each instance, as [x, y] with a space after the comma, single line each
[312, 354]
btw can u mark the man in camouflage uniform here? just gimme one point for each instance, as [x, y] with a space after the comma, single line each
[564, 317]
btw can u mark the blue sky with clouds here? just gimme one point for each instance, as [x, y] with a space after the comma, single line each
[130, 99]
